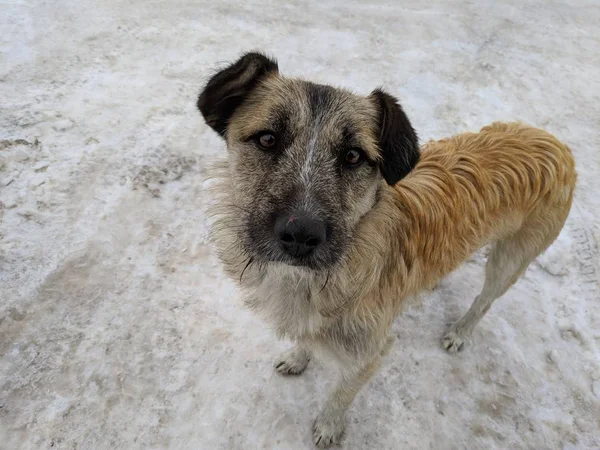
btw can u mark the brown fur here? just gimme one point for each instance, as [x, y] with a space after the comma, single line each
[509, 185]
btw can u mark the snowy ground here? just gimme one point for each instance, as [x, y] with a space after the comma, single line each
[118, 329]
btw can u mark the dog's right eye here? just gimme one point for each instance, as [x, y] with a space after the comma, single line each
[266, 140]
[354, 157]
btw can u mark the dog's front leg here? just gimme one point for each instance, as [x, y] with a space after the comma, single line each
[329, 424]
[294, 360]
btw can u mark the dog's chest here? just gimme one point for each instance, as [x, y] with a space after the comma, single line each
[284, 300]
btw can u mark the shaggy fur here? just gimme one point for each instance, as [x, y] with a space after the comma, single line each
[509, 185]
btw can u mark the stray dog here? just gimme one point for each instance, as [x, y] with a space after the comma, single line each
[330, 216]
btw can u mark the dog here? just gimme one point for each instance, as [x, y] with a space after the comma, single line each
[329, 214]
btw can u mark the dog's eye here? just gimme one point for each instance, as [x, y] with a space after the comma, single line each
[354, 157]
[267, 140]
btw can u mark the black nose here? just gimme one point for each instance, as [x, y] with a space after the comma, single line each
[299, 235]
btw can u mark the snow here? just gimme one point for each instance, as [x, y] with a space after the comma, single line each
[118, 328]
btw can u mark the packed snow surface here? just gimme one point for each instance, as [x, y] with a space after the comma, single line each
[118, 329]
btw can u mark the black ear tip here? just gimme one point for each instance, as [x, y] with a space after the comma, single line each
[383, 97]
[256, 62]
[379, 92]
[259, 57]
[394, 174]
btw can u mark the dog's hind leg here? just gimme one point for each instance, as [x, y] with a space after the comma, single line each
[507, 261]
[293, 361]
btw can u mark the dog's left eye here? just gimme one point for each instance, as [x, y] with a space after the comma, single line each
[354, 157]
[266, 140]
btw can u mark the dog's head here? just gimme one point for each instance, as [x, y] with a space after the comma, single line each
[306, 160]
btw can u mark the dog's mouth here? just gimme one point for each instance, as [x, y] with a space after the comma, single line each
[305, 262]
[316, 262]
[312, 262]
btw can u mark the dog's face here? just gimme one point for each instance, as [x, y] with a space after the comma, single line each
[306, 160]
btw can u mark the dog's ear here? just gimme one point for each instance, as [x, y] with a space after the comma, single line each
[226, 90]
[398, 141]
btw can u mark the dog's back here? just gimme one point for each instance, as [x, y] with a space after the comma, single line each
[509, 185]
[476, 188]
[529, 159]
[509, 165]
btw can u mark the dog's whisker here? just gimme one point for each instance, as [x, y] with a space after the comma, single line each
[326, 281]
[250, 260]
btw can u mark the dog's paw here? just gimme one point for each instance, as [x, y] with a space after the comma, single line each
[328, 428]
[292, 362]
[453, 341]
